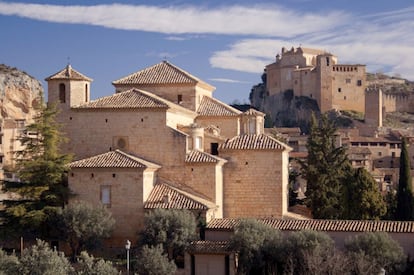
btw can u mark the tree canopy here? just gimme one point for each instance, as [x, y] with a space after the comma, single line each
[405, 202]
[336, 190]
[83, 224]
[173, 229]
[41, 169]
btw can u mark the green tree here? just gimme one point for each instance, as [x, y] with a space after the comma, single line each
[362, 198]
[9, 264]
[404, 210]
[173, 229]
[40, 259]
[41, 169]
[84, 224]
[258, 246]
[324, 170]
[379, 250]
[88, 265]
[153, 261]
[308, 252]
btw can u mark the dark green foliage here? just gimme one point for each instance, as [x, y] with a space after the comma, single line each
[88, 265]
[173, 229]
[153, 261]
[259, 247]
[41, 169]
[362, 198]
[379, 250]
[40, 259]
[305, 248]
[324, 170]
[336, 190]
[84, 225]
[391, 201]
[404, 210]
[9, 264]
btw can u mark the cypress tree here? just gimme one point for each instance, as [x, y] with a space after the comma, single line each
[404, 194]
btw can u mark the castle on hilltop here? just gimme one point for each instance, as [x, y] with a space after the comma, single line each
[315, 73]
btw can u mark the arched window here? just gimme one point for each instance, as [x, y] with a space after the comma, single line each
[62, 93]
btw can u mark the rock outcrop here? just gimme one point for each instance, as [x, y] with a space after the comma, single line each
[284, 109]
[19, 93]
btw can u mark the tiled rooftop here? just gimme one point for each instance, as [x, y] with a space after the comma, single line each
[113, 159]
[207, 247]
[161, 73]
[322, 225]
[212, 107]
[198, 156]
[252, 142]
[129, 99]
[68, 73]
[165, 196]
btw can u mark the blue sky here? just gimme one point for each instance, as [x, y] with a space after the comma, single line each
[225, 43]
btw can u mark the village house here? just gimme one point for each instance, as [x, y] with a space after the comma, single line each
[162, 141]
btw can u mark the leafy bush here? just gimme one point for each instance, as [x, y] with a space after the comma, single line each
[88, 265]
[9, 264]
[40, 259]
[380, 249]
[153, 261]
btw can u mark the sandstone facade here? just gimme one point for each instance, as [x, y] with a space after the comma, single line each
[163, 141]
[315, 73]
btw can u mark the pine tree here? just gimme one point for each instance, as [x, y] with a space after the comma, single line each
[324, 170]
[362, 198]
[404, 194]
[41, 169]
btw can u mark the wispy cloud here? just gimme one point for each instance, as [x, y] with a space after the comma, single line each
[227, 80]
[246, 20]
[383, 41]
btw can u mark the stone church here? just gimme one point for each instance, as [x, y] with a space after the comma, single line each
[163, 141]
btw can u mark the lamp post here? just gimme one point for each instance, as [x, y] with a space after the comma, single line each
[128, 247]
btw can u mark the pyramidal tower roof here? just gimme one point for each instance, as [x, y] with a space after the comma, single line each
[68, 73]
[161, 73]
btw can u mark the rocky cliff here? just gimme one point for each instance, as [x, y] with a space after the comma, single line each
[284, 109]
[19, 93]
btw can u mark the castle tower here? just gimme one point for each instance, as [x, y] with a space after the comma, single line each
[323, 95]
[68, 88]
[373, 107]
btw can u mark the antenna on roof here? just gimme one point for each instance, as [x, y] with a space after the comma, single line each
[68, 60]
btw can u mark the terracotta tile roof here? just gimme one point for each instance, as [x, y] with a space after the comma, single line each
[68, 73]
[168, 197]
[113, 159]
[253, 142]
[212, 107]
[161, 73]
[129, 99]
[253, 112]
[199, 156]
[207, 247]
[322, 225]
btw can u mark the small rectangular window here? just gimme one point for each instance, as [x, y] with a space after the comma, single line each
[179, 99]
[106, 195]
[348, 80]
[339, 90]
[214, 148]
[359, 82]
